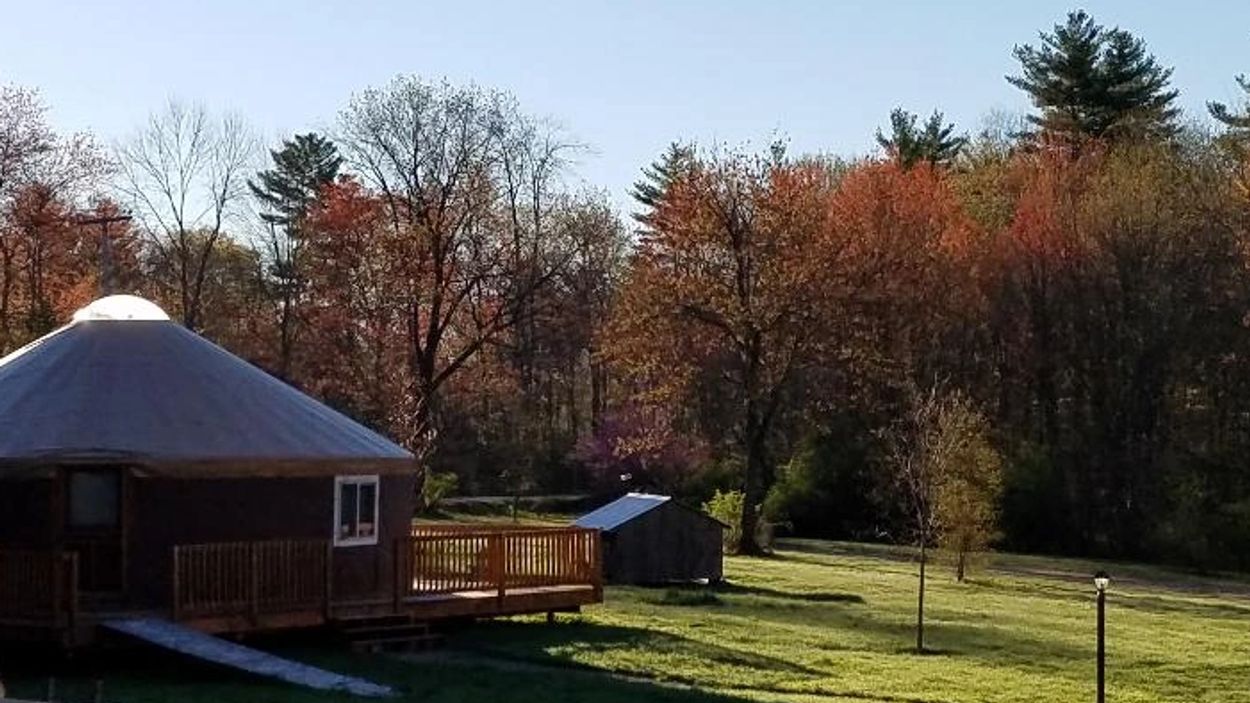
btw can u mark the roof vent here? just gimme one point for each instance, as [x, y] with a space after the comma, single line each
[121, 307]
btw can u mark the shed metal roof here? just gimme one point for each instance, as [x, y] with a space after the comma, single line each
[620, 511]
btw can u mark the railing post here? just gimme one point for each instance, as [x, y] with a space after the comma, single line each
[596, 574]
[55, 575]
[73, 590]
[329, 579]
[177, 583]
[495, 544]
[399, 566]
[254, 600]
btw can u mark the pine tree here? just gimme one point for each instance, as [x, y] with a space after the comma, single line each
[1238, 122]
[657, 177]
[935, 142]
[1089, 81]
[302, 168]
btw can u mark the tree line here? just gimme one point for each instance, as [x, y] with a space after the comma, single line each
[1060, 300]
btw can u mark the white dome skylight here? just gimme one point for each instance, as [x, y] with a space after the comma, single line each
[121, 307]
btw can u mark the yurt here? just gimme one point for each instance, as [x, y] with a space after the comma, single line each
[160, 470]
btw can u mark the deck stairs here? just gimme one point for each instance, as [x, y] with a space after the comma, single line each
[398, 633]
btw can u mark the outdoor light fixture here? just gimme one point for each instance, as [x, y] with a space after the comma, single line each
[1101, 581]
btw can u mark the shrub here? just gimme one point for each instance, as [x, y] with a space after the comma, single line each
[726, 506]
[437, 486]
[828, 488]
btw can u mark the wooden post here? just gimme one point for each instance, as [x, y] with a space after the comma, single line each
[400, 566]
[329, 579]
[177, 584]
[56, 574]
[73, 590]
[596, 566]
[254, 604]
[496, 551]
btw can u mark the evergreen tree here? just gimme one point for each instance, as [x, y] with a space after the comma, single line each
[301, 168]
[1238, 122]
[656, 178]
[1089, 81]
[935, 142]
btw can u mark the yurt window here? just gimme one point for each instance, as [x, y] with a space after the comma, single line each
[355, 510]
[94, 499]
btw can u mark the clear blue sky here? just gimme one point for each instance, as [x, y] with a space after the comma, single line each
[625, 78]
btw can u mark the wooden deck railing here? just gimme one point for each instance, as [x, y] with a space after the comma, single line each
[264, 578]
[251, 578]
[439, 560]
[38, 587]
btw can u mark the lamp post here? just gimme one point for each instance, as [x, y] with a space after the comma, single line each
[1101, 581]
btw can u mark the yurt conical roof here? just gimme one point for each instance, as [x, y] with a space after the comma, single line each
[124, 384]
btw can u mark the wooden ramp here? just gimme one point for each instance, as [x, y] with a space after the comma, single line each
[184, 640]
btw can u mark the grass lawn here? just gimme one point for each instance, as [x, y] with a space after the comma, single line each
[818, 622]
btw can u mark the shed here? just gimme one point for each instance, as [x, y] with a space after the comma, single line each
[125, 437]
[653, 539]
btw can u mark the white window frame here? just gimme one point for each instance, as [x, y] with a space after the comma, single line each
[364, 480]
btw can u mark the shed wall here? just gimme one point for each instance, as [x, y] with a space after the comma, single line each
[670, 543]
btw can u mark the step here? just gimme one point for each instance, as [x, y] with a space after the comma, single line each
[377, 644]
[398, 629]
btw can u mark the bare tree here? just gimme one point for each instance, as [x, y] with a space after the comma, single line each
[913, 454]
[590, 282]
[940, 452]
[44, 176]
[185, 172]
[466, 179]
[24, 135]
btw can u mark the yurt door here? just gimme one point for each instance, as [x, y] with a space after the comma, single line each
[94, 526]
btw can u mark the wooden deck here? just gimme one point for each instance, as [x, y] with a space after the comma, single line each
[439, 573]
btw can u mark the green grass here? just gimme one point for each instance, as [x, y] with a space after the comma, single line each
[819, 622]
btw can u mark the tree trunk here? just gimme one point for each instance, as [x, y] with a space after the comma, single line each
[920, 600]
[284, 330]
[596, 392]
[961, 564]
[424, 421]
[754, 485]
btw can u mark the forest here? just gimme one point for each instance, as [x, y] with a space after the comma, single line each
[1075, 281]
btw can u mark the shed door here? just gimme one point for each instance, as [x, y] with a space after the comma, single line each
[94, 527]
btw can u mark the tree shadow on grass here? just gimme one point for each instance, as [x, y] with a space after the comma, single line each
[555, 644]
[533, 644]
[145, 675]
[978, 638]
[711, 594]
[728, 587]
[1193, 608]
